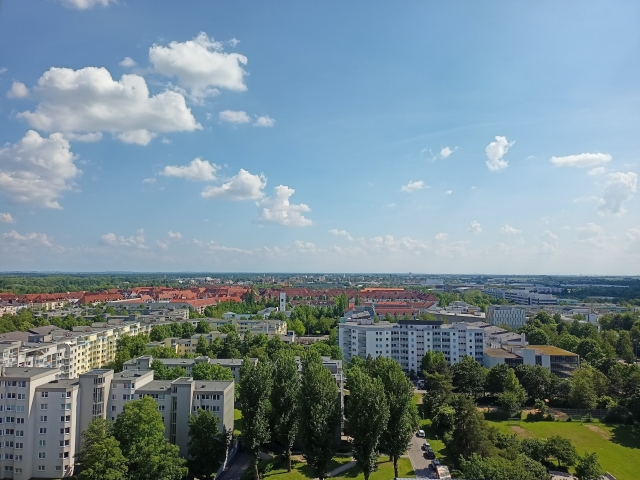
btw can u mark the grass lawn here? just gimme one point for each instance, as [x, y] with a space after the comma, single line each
[300, 470]
[384, 472]
[617, 448]
[417, 398]
[436, 443]
[237, 422]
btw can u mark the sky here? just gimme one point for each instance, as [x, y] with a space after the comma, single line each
[489, 137]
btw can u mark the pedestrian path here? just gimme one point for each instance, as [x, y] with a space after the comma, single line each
[341, 468]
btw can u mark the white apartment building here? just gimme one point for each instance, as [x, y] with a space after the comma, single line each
[522, 297]
[513, 317]
[408, 340]
[42, 416]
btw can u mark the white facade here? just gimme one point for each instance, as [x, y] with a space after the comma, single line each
[408, 340]
[513, 317]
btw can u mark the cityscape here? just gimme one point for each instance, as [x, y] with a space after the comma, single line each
[311, 241]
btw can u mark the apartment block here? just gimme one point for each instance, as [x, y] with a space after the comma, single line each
[513, 317]
[558, 361]
[408, 340]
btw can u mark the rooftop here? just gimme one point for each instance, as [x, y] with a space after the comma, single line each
[499, 353]
[31, 373]
[551, 350]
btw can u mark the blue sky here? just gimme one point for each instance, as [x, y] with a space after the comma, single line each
[436, 137]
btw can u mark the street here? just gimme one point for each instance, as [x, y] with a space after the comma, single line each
[419, 463]
[238, 466]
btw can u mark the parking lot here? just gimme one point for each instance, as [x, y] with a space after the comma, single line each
[419, 462]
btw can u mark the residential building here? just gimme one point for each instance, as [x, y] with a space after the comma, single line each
[511, 316]
[522, 296]
[558, 361]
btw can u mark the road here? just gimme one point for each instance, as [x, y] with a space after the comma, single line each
[238, 466]
[419, 463]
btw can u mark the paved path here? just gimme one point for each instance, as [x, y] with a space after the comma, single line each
[419, 463]
[238, 466]
[341, 468]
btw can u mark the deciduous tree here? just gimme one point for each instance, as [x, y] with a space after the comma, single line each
[208, 444]
[100, 457]
[589, 468]
[469, 376]
[285, 397]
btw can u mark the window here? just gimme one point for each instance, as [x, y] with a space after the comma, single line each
[19, 433]
[43, 418]
[65, 431]
[22, 384]
[64, 443]
[66, 406]
[68, 394]
[42, 454]
[44, 406]
[126, 397]
[41, 468]
[58, 467]
[65, 418]
[20, 408]
[18, 470]
[43, 430]
[18, 458]
[8, 468]
[21, 396]
[20, 445]
[19, 420]
[44, 394]
[113, 408]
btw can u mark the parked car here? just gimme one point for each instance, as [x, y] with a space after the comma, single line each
[430, 455]
[436, 462]
[426, 446]
[421, 433]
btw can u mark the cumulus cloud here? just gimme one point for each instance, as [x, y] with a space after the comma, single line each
[448, 192]
[86, 4]
[509, 230]
[200, 65]
[18, 90]
[596, 171]
[265, 121]
[36, 170]
[114, 240]
[6, 218]
[83, 137]
[475, 227]
[2, 70]
[341, 233]
[589, 230]
[582, 160]
[446, 152]
[413, 186]
[234, 117]
[35, 239]
[441, 237]
[243, 186]
[618, 190]
[549, 234]
[278, 209]
[128, 62]
[174, 235]
[495, 153]
[197, 170]
[90, 100]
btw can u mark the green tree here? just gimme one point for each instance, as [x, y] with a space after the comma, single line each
[140, 431]
[159, 333]
[469, 376]
[202, 347]
[535, 379]
[444, 418]
[256, 381]
[187, 330]
[285, 396]
[624, 347]
[403, 414]
[582, 394]
[100, 457]
[563, 450]
[568, 342]
[439, 392]
[203, 327]
[231, 346]
[538, 337]
[496, 377]
[208, 444]
[589, 468]
[470, 433]
[208, 371]
[434, 362]
[513, 395]
[227, 328]
[319, 414]
[366, 395]
[590, 350]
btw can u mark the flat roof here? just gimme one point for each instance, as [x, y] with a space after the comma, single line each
[28, 372]
[156, 386]
[551, 350]
[499, 353]
[127, 374]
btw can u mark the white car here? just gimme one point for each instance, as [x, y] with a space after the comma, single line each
[421, 433]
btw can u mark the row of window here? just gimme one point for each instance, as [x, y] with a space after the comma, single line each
[12, 408]
[63, 406]
[13, 383]
[64, 394]
[63, 418]
[212, 408]
[19, 396]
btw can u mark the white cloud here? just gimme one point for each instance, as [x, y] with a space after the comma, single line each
[36, 239]
[448, 192]
[6, 218]
[89, 100]
[174, 235]
[589, 230]
[550, 235]
[233, 42]
[83, 137]
[475, 227]
[341, 233]
[3, 70]
[197, 170]
[495, 153]
[596, 171]
[441, 237]
[165, 140]
[234, 117]
[128, 62]
[278, 209]
[36, 170]
[634, 233]
[582, 160]
[546, 247]
[18, 90]
[201, 65]
[136, 241]
[593, 235]
[618, 190]
[243, 186]
[446, 152]
[265, 121]
[150, 180]
[509, 230]
[162, 245]
[413, 186]
[85, 4]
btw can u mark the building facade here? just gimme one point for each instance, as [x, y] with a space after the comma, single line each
[513, 317]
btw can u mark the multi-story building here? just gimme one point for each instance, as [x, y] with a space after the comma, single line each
[513, 317]
[559, 362]
[408, 340]
[522, 296]
[42, 416]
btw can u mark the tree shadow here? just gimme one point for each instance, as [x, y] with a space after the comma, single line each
[625, 435]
